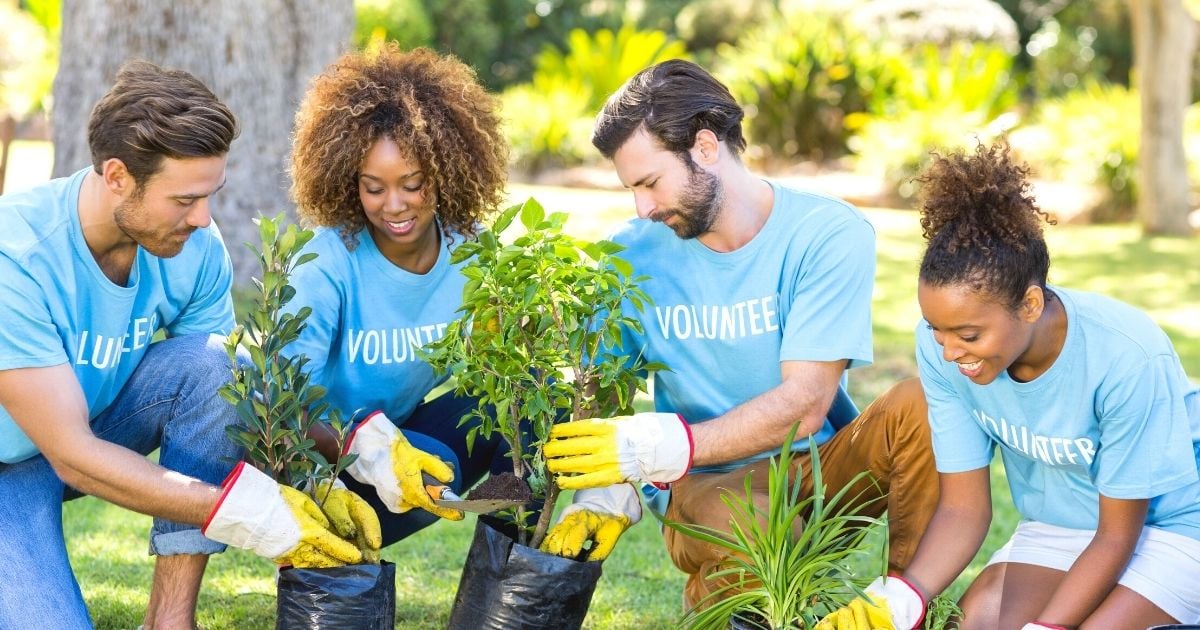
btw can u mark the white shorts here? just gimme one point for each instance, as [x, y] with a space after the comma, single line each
[1165, 567]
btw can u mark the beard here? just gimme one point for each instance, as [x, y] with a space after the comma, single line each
[698, 204]
[131, 217]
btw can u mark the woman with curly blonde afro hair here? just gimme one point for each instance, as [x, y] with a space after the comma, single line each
[1086, 400]
[397, 156]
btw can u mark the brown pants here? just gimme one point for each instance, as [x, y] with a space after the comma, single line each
[890, 439]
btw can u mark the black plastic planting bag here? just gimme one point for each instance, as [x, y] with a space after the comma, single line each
[506, 586]
[359, 596]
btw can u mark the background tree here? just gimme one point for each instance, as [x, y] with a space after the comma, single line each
[256, 55]
[1164, 43]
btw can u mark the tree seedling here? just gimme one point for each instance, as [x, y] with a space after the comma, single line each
[276, 404]
[538, 341]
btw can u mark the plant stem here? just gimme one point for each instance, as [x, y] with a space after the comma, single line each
[543, 523]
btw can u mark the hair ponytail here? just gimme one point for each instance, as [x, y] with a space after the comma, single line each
[982, 224]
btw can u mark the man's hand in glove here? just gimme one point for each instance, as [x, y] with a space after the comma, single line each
[275, 521]
[352, 518]
[599, 515]
[891, 604]
[393, 466]
[644, 447]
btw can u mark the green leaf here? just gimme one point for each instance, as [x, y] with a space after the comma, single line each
[532, 213]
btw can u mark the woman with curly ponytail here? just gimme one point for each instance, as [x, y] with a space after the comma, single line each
[1084, 396]
[397, 157]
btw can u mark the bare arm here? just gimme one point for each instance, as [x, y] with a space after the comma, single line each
[762, 423]
[955, 532]
[1097, 569]
[48, 405]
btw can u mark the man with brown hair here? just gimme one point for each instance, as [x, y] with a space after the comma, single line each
[761, 302]
[94, 265]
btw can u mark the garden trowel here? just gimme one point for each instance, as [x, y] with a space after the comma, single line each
[445, 497]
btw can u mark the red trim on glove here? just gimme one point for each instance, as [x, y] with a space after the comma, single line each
[226, 486]
[350, 438]
[924, 604]
[1049, 625]
[687, 428]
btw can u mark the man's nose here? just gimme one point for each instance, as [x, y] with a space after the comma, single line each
[200, 216]
[643, 204]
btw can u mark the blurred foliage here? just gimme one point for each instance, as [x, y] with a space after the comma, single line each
[913, 23]
[47, 13]
[1091, 135]
[402, 21]
[944, 99]
[501, 38]
[549, 120]
[1063, 42]
[799, 75]
[706, 24]
[1085, 41]
[28, 56]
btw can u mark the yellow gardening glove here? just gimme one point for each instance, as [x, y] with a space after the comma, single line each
[275, 521]
[599, 515]
[891, 604]
[858, 615]
[352, 518]
[394, 467]
[644, 447]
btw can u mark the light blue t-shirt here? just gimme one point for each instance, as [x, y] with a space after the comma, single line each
[1108, 417]
[368, 318]
[722, 322]
[57, 306]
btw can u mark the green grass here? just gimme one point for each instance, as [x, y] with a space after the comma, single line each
[640, 587]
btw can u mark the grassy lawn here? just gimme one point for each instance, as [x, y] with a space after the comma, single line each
[640, 587]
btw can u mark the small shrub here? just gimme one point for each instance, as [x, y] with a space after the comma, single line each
[541, 321]
[271, 394]
[792, 562]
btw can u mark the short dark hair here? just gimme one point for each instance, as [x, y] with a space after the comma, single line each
[151, 113]
[983, 227]
[674, 100]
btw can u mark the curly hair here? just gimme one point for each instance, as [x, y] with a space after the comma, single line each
[429, 104]
[982, 224]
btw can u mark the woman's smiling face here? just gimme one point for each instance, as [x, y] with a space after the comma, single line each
[976, 331]
[398, 200]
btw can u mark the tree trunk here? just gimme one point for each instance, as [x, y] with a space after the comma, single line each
[256, 55]
[1164, 42]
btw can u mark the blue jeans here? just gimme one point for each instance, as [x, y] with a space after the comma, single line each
[169, 403]
[433, 428]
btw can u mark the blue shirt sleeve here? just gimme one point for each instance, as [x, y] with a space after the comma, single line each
[959, 444]
[830, 300]
[27, 331]
[210, 309]
[318, 286]
[1145, 434]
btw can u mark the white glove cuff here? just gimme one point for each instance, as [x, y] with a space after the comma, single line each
[903, 600]
[372, 441]
[619, 499]
[1037, 625]
[250, 514]
[661, 444]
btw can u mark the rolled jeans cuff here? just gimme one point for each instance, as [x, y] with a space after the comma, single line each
[183, 542]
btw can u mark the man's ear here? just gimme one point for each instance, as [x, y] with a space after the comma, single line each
[706, 149]
[117, 179]
[1032, 304]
